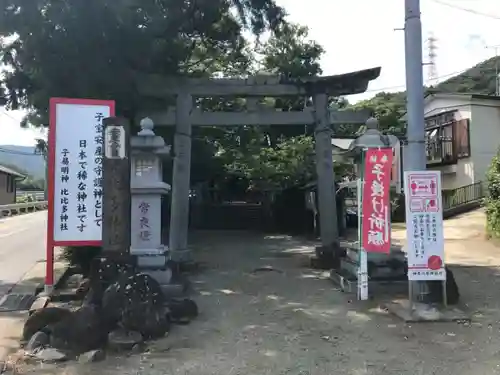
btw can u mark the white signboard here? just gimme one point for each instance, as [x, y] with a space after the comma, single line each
[424, 226]
[77, 141]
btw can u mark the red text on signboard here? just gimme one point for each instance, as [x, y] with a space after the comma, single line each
[376, 228]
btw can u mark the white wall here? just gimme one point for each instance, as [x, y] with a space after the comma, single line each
[484, 135]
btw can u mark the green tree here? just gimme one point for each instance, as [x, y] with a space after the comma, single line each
[98, 48]
[54, 50]
[480, 79]
[291, 54]
[278, 157]
[492, 200]
[388, 108]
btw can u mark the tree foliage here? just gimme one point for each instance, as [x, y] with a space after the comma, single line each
[97, 48]
[492, 200]
[480, 79]
[388, 108]
[277, 157]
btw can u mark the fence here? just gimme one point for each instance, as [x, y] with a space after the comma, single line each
[17, 208]
[36, 195]
[462, 199]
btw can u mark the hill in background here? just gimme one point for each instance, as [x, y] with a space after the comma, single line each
[389, 107]
[479, 79]
[23, 158]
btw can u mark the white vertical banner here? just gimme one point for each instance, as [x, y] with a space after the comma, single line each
[76, 194]
[424, 226]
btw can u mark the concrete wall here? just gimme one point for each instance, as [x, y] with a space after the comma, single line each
[6, 196]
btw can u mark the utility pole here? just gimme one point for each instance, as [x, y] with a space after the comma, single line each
[415, 159]
[497, 77]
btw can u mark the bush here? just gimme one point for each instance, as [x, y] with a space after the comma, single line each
[81, 257]
[492, 200]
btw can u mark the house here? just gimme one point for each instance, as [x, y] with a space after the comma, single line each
[8, 178]
[462, 136]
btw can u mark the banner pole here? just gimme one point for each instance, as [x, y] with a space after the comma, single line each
[49, 268]
[362, 256]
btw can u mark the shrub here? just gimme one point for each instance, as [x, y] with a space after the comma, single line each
[492, 200]
[81, 256]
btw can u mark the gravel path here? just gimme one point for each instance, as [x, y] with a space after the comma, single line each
[291, 320]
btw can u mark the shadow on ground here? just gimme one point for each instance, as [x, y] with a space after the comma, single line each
[264, 312]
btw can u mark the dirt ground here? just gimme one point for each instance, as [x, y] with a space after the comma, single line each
[294, 321]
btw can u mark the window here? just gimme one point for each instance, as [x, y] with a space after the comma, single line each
[462, 141]
[440, 120]
[431, 143]
[11, 184]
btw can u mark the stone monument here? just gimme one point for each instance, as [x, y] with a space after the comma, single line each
[147, 188]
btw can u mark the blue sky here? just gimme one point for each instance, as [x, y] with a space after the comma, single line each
[358, 34]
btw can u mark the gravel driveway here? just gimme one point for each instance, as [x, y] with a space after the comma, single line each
[292, 320]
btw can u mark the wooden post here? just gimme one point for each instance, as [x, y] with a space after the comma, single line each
[116, 187]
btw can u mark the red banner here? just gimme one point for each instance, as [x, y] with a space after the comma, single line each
[376, 209]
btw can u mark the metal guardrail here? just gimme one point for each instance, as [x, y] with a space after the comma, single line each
[462, 199]
[17, 208]
[37, 195]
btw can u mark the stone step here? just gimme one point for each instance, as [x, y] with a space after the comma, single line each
[349, 268]
[395, 254]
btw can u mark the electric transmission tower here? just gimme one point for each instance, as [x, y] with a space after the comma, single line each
[431, 55]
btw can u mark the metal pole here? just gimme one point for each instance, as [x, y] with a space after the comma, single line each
[415, 157]
[362, 255]
[497, 78]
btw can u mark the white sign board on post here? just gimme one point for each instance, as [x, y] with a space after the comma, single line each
[424, 226]
[75, 170]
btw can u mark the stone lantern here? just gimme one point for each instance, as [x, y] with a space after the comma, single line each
[371, 138]
[379, 267]
[147, 190]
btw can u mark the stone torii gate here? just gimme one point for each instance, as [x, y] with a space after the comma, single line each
[184, 116]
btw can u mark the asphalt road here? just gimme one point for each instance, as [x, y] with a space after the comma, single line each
[22, 245]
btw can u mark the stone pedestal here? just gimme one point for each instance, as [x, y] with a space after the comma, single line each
[147, 189]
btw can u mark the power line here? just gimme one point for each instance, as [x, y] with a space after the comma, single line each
[468, 10]
[403, 86]
[9, 115]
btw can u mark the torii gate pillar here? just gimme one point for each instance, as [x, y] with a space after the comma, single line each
[324, 170]
[179, 210]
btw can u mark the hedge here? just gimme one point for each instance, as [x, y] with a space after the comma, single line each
[492, 200]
